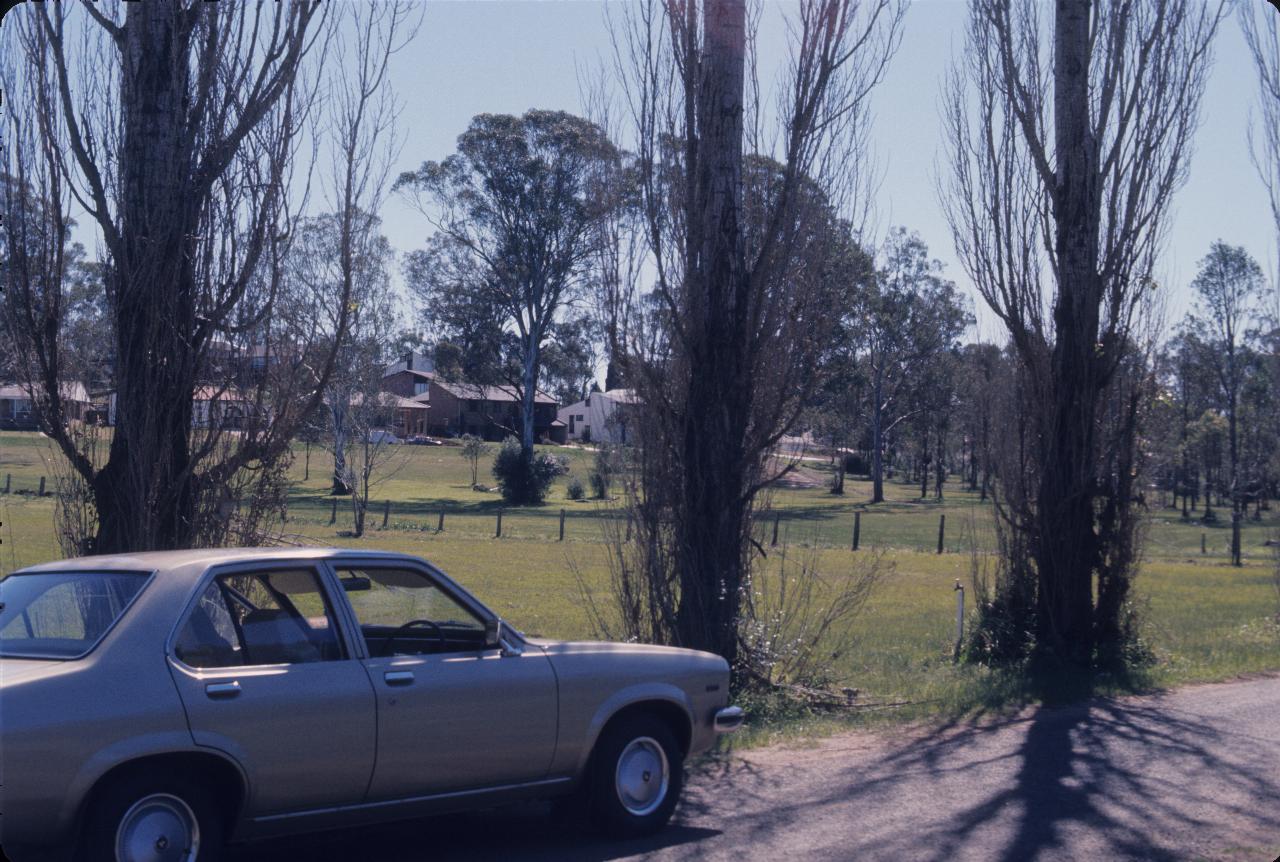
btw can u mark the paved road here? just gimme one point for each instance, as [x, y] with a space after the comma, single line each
[1193, 774]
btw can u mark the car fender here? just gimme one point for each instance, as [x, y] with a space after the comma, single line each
[623, 698]
[127, 751]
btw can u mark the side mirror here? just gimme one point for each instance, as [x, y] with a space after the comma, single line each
[356, 584]
[494, 639]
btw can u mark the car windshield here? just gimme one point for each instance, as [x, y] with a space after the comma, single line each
[61, 614]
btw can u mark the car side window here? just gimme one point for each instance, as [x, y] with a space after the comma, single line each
[278, 617]
[404, 612]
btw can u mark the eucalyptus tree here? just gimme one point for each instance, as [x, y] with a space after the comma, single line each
[908, 316]
[1070, 130]
[515, 212]
[1229, 289]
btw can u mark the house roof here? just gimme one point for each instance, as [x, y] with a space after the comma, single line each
[476, 392]
[622, 396]
[388, 399]
[617, 396]
[410, 404]
[414, 372]
[71, 390]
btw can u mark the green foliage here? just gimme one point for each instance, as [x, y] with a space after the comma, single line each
[607, 465]
[574, 489]
[524, 480]
[473, 449]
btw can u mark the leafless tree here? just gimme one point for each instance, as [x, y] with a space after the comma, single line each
[177, 128]
[1261, 26]
[740, 222]
[1068, 139]
[618, 250]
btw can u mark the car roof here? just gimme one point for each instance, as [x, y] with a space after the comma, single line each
[159, 561]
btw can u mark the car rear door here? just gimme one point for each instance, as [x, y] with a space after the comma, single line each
[452, 714]
[267, 676]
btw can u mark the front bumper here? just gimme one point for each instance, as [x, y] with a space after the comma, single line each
[729, 719]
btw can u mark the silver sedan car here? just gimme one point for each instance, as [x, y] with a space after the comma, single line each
[157, 706]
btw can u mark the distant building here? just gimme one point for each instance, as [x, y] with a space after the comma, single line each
[491, 412]
[457, 407]
[602, 417]
[211, 407]
[18, 411]
[409, 377]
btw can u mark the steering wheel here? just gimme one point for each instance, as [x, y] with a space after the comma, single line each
[413, 624]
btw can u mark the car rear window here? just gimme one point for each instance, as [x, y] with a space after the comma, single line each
[61, 614]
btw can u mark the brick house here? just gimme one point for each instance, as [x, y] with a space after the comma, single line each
[491, 412]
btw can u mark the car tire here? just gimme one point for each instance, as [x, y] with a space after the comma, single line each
[636, 777]
[141, 810]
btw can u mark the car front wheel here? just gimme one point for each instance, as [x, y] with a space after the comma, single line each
[142, 818]
[637, 776]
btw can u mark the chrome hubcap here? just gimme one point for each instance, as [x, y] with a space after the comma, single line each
[158, 828]
[642, 776]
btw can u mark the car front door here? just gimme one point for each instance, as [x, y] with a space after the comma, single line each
[453, 714]
[266, 676]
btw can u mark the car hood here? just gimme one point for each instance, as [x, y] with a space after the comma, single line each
[607, 649]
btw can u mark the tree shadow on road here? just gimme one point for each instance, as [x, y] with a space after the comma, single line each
[1110, 778]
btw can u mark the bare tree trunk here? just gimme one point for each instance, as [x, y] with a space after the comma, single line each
[711, 552]
[341, 484]
[149, 450]
[1065, 543]
[877, 440]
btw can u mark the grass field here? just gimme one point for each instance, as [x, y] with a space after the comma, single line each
[1204, 619]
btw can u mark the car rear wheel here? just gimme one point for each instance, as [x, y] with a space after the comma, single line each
[146, 818]
[637, 776]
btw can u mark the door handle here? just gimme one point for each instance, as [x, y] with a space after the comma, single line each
[222, 690]
[398, 677]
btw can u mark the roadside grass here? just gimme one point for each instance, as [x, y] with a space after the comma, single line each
[1203, 619]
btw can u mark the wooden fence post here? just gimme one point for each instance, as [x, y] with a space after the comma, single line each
[386, 513]
[1202, 546]
[777, 516]
[498, 533]
[562, 525]
[942, 531]
[8, 482]
[857, 530]
[41, 492]
[333, 516]
[440, 523]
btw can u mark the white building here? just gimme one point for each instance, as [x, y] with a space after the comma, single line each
[602, 417]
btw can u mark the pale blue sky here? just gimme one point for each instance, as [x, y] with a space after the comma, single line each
[505, 56]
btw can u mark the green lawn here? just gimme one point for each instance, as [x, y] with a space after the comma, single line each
[1204, 619]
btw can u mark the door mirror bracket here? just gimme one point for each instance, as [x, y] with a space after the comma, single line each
[497, 637]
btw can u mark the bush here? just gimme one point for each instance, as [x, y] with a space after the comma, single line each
[605, 468]
[524, 481]
[575, 489]
[856, 465]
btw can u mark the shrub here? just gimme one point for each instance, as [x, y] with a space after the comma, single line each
[575, 489]
[856, 465]
[524, 481]
[605, 468]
